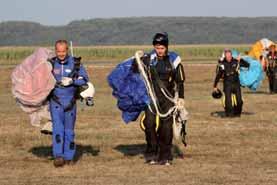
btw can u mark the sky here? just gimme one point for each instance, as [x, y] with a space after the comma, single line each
[61, 12]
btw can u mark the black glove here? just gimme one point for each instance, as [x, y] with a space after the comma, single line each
[184, 133]
[134, 67]
[146, 61]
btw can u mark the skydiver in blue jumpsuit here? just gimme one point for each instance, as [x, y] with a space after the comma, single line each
[63, 103]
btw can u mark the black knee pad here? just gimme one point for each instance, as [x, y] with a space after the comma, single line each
[58, 138]
[72, 146]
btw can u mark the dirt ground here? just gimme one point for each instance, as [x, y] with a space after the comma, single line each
[221, 151]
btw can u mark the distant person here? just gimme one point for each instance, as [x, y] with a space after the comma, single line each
[263, 58]
[229, 71]
[63, 103]
[271, 68]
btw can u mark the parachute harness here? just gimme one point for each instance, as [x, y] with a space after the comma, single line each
[178, 112]
[173, 110]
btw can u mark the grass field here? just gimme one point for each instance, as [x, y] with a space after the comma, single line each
[14, 55]
[240, 151]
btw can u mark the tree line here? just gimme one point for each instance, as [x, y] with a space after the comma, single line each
[139, 30]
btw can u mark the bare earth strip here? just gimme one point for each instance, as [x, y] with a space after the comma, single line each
[221, 151]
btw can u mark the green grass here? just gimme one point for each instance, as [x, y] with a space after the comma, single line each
[14, 55]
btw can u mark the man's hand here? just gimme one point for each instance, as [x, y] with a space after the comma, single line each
[215, 89]
[66, 81]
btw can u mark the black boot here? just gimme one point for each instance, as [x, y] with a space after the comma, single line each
[151, 154]
[59, 162]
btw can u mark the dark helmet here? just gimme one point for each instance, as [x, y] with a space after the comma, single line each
[217, 94]
[160, 38]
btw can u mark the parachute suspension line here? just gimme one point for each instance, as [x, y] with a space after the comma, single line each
[149, 88]
[173, 109]
[173, 100]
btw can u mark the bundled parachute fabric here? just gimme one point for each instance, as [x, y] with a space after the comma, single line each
[129, 89]
[259, 47]
[32, 82]
[250, 77]
[253, 76]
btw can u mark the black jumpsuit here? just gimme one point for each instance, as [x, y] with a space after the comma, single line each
[272, 71]
[231, 84]
[159, 143]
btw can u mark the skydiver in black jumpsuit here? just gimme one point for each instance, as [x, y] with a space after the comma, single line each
[229, 71]
[165, 70]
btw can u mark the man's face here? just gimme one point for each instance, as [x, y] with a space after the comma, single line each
[160, 50]
[61, 51]
[228, 56]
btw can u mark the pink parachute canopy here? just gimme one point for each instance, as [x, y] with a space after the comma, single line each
[32, 80]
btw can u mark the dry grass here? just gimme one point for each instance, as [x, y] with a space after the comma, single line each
[220, 151]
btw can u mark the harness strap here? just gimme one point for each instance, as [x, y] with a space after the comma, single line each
[76, 68]
[149, 87]
[67, 108]
[160, 83]
[73, 74]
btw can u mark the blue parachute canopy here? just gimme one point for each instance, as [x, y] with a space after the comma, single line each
[253, 76]
[235, 53]
[129, 90]
[250, 77]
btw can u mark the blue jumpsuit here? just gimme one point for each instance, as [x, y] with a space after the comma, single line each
[63, 107]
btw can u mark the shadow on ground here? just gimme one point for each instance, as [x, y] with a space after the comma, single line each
[131, 150]
[258, 92]
[46, 151]
[139, 149]
[221, 114]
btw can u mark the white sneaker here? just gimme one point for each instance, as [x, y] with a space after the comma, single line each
[152, 162]
[166, 163]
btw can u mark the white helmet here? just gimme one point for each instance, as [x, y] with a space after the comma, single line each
[89, 92]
